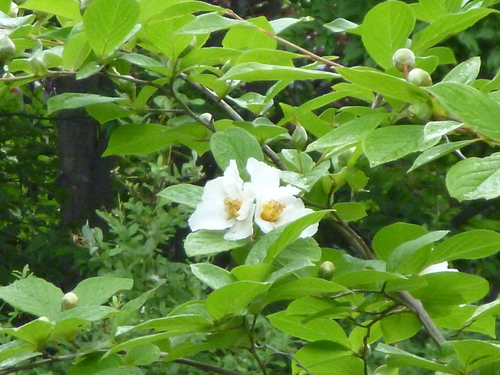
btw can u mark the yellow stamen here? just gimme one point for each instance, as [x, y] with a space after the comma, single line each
[272, 210]
[232, 207]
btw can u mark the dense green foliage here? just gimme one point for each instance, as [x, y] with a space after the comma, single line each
[229, 139]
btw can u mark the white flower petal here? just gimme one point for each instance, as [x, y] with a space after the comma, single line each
[263, 176]
[209, 215]
[438, 267]
[233, 184]
[240, 229]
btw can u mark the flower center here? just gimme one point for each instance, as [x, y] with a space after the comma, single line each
[272, 210]
[232, 207]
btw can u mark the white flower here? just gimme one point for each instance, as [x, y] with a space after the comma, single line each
[275, 205]
[439, 267]
[227, 202]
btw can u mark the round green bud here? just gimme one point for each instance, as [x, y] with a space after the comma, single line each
[403, 57]
[419, 77]
[7, 48]
[69, 301]
[421, 111]
[299, 137]
[326, 270]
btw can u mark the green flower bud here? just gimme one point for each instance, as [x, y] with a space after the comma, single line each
[69, 301]
[419, 77]
[421, 111]
[7, 48]
[37, 66]
[299, 137]
[403, 57]
[326, 270]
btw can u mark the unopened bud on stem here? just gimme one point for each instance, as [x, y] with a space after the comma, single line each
[299, 137]
[69, 301]
[403, 57]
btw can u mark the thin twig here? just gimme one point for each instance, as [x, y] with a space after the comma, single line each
[291, 356]
[458, 153]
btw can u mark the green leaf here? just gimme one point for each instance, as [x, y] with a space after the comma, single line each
[290, 268]
[390, 237]
[475, 178]
[436, 129]
[328, 358]
[14, 349]
[474, 353]
[305, 286]
[75, 52]
[314, 330]
[75, 100]
[281, 24]
[142, 355]
[253, 272]
[350, 211]
[399, 358]
[250, 71]
[235, 144]
[210, 22]
[445, 26]
[430, 10]
[215, 277]
[246, 38]
[411, 256]
[386, 28]
[34, 296]
[385, 84]
[133, 139]
[341, 25]
[364, 277]
[108, 111]
[269, 246]
[95, 363]
[232, 298]
[474, 244]
[465, 73]
[187, 194]
[209, 243]
[451, 288]
[35, 332]
[178, 324]
[97, 290]
[399, 327]
[65, 8]
[83, 314]
[393, 142]
[437, 152]
[349, 133]
[109, 23]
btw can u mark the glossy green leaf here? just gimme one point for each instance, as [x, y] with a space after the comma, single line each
[303, 248]
[474, 353]
[65, 8]
[328, 358]
[250, 71]
[83, 314]
[15, 348]
[411, 256]
[97, 290]
[386, 28]
[187, 194]
[391, 143]
[281, 24]
[34, 296]
[305, 286]
[95, 363]
[399, 327]
[35, 332]
[349, 133]
[253, 272]
[350, 211]
[105, 112]
[430, 10]
[136, 139]
[314, 330]
[341, 25]
[142, 355]
[475, 178]
[232, 298]
[436, 129]
[209, 243]
[390, 237]
[451, 288]
[399, 358]
[75, 52]
[235, 144]
[385, 84]
[445, 26]
[137, 341]
[464, 73]
[210, 22]
[364, 277]
[474, 244]
[109, 23]
[75, 100]
[248, 38]
[437, 152]
[215, 277]
[177, 324]
[290, 268]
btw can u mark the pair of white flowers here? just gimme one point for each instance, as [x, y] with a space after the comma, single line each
[230, 203]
